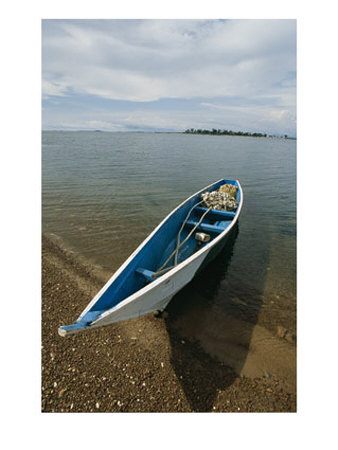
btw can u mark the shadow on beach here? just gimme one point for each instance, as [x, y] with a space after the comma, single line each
[209, 344]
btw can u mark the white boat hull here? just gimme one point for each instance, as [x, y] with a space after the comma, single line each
[154, 299]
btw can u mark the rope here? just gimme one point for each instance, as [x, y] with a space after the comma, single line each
[219, 199]
[160, 271]
[181, 229]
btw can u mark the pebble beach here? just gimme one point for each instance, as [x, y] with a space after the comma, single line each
[140, 365]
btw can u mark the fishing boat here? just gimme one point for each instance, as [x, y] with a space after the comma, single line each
[179, 247]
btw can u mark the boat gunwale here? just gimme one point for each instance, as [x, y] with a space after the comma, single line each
[171, 272]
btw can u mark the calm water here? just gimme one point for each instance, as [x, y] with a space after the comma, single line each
[103, 193]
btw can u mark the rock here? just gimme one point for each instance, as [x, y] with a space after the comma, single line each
[283, 333]
[60, 394]
[292, 338]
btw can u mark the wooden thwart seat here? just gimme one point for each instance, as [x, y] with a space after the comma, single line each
[208, 228]
[216, 212]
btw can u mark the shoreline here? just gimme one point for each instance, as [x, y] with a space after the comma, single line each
[141, 365]
[294, 138]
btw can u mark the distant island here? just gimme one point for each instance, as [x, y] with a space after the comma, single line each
[219, 132]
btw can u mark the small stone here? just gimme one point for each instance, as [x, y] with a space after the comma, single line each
[281, 332]
[162, 365]
[55, 384]
[182, 342]
[97, 405]
[290, 338]
[60, 394]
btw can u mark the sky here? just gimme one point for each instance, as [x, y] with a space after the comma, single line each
[169, 75]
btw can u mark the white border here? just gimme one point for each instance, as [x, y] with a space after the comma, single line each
[314, 424]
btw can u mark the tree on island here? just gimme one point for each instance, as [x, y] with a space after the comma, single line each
[224, 132]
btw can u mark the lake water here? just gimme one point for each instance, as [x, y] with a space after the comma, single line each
[103, 193]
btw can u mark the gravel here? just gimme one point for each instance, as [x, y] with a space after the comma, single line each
[135, 366]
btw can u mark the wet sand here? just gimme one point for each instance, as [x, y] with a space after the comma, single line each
[144, 364]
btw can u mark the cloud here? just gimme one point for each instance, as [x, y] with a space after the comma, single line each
[149, 60]
[50, 89]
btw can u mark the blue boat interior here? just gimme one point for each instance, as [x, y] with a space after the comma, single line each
[141, 269]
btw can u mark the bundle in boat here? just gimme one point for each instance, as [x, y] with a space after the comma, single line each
[224, 198]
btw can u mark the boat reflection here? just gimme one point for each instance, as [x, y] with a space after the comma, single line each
[209, 347]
